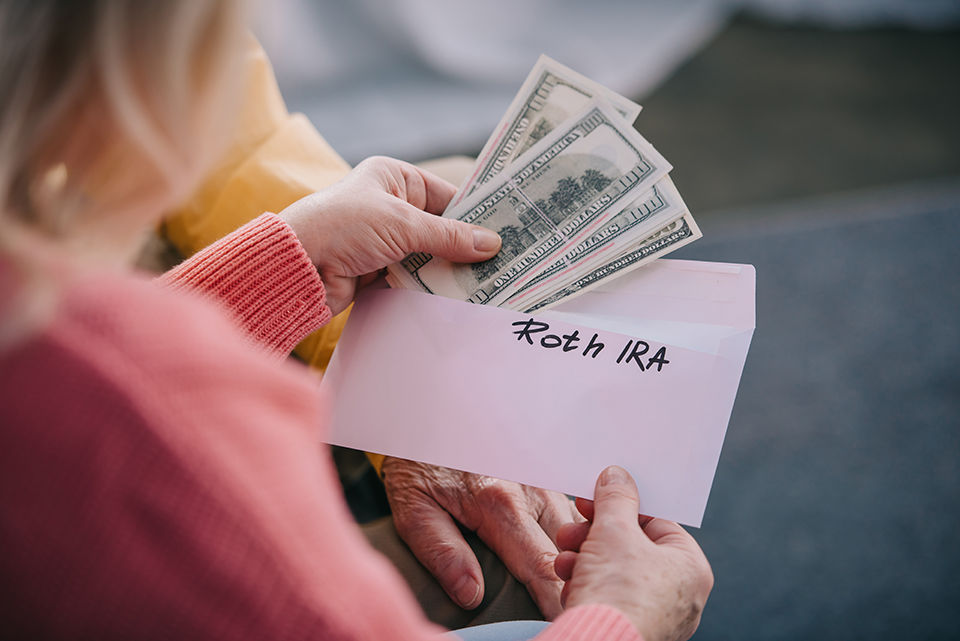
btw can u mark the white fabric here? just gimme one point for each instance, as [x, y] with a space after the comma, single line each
[422, 78]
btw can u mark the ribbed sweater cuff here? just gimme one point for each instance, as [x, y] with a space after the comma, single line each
[586, 622]
[262, 275]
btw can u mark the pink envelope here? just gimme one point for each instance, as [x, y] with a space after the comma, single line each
[641, 372]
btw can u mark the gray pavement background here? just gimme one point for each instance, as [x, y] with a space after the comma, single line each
[831, 161]
[769, 113]
[836, 506]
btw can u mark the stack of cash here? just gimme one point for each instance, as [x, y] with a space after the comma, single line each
[576, 193]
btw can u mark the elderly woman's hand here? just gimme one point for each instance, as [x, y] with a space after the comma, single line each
[380, 212]
[650, 569]
[519, 523]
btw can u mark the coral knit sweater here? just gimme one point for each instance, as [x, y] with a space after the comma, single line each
[162, 473]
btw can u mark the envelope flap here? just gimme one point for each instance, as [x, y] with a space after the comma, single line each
[703, 337]
[686, 291]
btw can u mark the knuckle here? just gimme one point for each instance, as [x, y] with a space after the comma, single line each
[410, 507]
[457, 236]
[416, 189]
[374, 161]
[443, 556]
[543, 567]
[618, 493]
[497, 496]
[407, 518]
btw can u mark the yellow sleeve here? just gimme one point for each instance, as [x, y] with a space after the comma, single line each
[274, 159]
[377, 461]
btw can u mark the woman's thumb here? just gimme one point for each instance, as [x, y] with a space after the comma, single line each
[456, 241]
[615, 497]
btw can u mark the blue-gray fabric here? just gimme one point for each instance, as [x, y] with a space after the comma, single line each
[835, 512]
[505, 631]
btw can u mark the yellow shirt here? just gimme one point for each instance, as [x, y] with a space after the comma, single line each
[274, 159]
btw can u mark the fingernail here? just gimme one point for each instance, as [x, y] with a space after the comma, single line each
[614, 475]
[467, 591]
[485, 240]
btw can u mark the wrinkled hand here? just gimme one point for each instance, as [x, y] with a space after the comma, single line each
[518, 523]
[377, 214]
[650, 569]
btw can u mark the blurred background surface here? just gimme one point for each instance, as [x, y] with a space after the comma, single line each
[817, 140]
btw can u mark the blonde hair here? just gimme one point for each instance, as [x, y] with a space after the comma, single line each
[109, 112]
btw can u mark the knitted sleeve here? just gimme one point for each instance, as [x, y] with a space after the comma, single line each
[262, 276]
[591, 622]
[274, 159]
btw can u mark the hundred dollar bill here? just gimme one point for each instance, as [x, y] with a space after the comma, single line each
[670, 238]
[549, 95]
[657, 207]
[567, 186]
